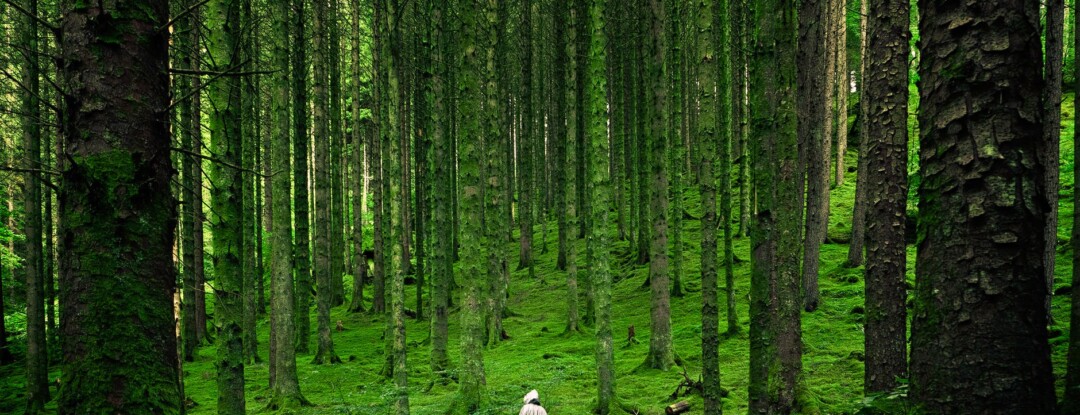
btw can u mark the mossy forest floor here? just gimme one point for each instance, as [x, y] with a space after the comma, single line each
[539, 355]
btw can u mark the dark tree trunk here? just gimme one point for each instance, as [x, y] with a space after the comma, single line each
[886, 94]
[979, 339]
[301, 143]
[37, 359]
[858, 220]
[814, 100]
[119, 357]
[1055, 45]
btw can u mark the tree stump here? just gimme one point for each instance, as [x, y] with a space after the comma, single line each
[678, 408]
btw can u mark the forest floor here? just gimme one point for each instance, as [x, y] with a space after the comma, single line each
[561, 366]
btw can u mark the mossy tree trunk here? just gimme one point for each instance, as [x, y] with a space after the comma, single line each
[226, 222]
[284, 384]
[1071, 400]
[442, 192]
[301, 144]
[324, 280]
[661, 352]
[596, 121]
[886, 94]
[113, 361]
[248, 183]
[775, 325]
[979, 270]
[360, 132]
[471, 53]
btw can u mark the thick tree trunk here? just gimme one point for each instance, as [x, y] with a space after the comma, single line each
[113, 361]
[471, 131]
[775, 326]
[886, 94]
[979, 273]
[443, 244]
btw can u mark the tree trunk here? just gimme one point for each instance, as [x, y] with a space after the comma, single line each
[979, 272]
[814, 108]
[596, 122]
[443, 244]
[471, 131]
[324, 280]
[661, 352]
[247, 196]
[115, 362]
[886, 96]
[301, 144]
[1071, 400]
[1055, 44]
[227, 218]
[285, 385]
[775, 326]
[359, 262]
[858, 220]
[37, 359]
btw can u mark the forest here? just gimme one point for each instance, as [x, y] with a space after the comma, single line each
[539, 206]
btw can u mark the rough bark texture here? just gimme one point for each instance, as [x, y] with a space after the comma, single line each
[191, 206]
[226, 220]
[596, 121]
[247, 204]
[814, 102]
[661, 352]
[470, 53]
[359, 133]
[443, 243]
[285, 385]
[886, 94]
[775, 326]
[119, 356]
[979, 273]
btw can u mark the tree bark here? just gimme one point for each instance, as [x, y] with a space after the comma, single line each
[775, 326]
[301, 144]
[857, 245]
[814, 107]
[886, 94]
[979, 271]
[115, 362]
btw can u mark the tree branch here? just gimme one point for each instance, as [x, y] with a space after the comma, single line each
[182, 14]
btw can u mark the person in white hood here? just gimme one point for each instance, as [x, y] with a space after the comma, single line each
[532, 404]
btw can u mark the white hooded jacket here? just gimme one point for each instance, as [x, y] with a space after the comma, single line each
[532, 404]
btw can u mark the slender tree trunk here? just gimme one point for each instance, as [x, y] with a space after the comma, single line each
[324, 280]
[559, 136]
[188, 127]
[979, 271]
[858, 221]
[661, 352]
[1055, 45]
[247, 210]
[443, 244]
[886, 95]
[775, 326]
[301, 144]
[227, 219]
[525, 143]
[714, 127]
[106, 350]
[842, 83]
[285, 385]
[337, 141]
[814, 109]
[375, 154]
